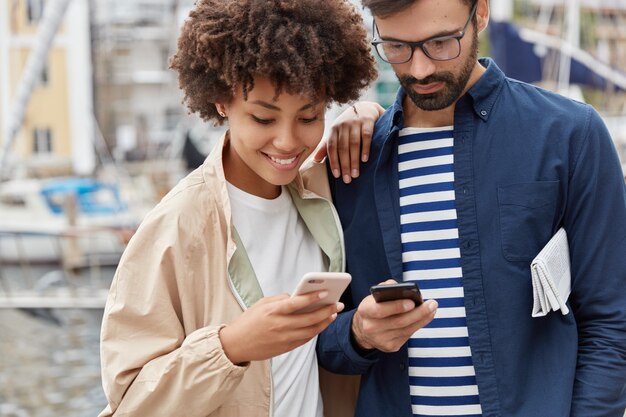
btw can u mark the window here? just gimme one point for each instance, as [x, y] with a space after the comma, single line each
[44, 76]
[42, 141]
[165, 57]
[34, 9]
[172, 117]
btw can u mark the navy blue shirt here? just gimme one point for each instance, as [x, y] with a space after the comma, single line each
[526, 162]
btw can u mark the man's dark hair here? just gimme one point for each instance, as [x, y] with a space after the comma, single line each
[312, 47]
[384, 8]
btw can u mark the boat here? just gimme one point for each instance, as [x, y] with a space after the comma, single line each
[76, 221]
[61, 240]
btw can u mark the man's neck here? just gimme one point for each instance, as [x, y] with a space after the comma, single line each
[416, 117]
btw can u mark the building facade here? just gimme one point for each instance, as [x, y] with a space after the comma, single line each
[56, 131]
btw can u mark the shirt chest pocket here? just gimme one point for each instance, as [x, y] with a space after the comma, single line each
[527, 211]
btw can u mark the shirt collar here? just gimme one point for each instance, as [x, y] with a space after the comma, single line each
[483, 94]
[487, 89]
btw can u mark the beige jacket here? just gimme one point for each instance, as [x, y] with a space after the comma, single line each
[183, 277]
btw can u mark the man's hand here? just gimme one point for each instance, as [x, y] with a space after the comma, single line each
[273, 326]
[349, 140]
[388, 325]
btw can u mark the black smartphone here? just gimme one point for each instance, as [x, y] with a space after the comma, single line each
[402, 290]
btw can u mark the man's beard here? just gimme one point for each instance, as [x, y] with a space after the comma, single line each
[453, 86]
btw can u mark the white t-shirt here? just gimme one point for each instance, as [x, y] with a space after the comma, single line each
[281, 249]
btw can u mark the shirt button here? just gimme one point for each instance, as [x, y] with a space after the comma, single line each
[402, 367]
[483, 113]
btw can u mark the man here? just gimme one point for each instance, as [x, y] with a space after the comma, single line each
[471, 174]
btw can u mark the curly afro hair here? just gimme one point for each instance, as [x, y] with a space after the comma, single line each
[313, 47]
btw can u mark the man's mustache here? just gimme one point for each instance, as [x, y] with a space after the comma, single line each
[410, 80]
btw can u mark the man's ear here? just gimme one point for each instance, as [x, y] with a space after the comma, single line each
[482, 14]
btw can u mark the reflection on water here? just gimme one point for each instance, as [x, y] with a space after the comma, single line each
[50, 369]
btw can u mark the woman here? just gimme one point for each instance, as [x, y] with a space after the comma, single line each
[198, 320]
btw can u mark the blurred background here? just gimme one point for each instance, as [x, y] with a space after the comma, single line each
[94, 134]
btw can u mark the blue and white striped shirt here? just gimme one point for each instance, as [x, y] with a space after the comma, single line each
[441, 373]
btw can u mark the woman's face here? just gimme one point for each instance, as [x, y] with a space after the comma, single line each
[269, 137]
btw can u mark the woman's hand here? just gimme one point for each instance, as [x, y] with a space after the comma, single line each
[349, 140]
[273, 325]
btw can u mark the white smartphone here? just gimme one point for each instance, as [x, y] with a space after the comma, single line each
[333, 282]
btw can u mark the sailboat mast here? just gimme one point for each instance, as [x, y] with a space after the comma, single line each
[572, 38]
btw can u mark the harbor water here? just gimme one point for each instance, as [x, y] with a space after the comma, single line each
[50, 363]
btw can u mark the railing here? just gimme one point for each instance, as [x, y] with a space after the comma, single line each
[68, 270]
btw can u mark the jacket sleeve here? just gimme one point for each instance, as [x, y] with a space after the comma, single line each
[335, 351]
[150, 366]
[595, 221]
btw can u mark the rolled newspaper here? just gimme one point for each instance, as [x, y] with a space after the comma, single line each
[551, 276]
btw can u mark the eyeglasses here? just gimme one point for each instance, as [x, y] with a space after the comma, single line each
[438, 48]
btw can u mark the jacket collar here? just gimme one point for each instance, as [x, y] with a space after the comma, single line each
[487, 89]
[317, 213]
[240, 271]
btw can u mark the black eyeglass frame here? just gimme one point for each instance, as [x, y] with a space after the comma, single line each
[420, 44]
